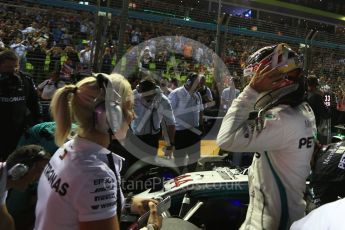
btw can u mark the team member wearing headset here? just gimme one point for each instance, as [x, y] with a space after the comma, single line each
[80, 186]
[21, 168]
[153, 111]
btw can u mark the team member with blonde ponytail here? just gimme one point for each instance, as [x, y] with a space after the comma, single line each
[80, 187]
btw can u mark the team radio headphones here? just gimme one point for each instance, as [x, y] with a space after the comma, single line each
[108, 112]
[19, 170]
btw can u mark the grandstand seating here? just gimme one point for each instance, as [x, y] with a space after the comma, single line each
[156, 19]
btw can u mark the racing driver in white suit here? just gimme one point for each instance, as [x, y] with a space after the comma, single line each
[271, 118]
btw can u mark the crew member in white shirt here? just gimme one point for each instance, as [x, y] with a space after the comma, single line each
[328, 216]
[85, 59]
[187, 107]
[47, 88]
[153, 110]
[228, 95]
[20, 47]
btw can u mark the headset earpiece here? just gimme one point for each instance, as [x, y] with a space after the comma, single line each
[18, 171]
[114, 116]
[108, 116]
[27, 161]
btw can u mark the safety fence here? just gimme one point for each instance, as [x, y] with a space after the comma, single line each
[51, 35]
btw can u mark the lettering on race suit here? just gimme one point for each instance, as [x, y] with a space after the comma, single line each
[306, 141]
[329, 157]
[55, 183]
[181, 180]
[341, 164]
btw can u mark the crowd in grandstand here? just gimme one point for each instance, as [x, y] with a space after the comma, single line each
[51, 41]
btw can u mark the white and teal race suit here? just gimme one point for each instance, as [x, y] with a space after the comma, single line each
[283, 140]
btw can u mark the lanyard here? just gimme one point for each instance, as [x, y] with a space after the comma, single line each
[118, 186]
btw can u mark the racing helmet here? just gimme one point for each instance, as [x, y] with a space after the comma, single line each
[293, 87]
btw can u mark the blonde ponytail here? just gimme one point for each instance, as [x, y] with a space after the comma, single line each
[61, 111]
